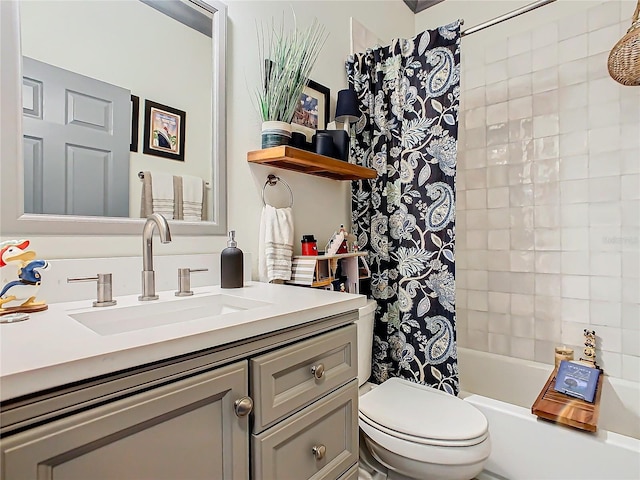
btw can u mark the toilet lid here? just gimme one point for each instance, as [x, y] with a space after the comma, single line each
[422, 412]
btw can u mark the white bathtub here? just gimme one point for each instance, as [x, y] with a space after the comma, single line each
[524, 447]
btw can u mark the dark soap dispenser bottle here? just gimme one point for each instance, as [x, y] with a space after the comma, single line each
[231, 264]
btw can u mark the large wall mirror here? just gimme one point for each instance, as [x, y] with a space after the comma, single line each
[96, 93]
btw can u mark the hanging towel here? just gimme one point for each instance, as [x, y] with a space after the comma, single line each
[192, 199]
[177, 192]
[157, 195]
[276, 244]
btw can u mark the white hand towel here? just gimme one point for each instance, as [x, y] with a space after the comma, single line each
[162, 194]
[192, 198]
[276, 244]
[157, 195]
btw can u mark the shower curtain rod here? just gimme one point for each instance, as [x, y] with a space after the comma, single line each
[506, 16]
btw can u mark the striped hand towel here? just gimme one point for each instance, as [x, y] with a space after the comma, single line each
[157, 195]
[192, 198]
[276, 244]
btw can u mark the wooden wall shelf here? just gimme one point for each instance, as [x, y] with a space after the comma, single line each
[560, 408]
[290, 158]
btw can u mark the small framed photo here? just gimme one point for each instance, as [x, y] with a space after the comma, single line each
[313, 110]
[135, 114]
[164, 130]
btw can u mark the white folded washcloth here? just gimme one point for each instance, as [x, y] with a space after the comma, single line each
[157, 195]
[276, 244]
[162, 194]
[192, 198]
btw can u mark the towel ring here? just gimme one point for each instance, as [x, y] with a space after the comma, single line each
[271, 181]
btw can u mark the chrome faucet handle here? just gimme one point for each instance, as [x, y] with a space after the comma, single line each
[104, 285]
[184, 281]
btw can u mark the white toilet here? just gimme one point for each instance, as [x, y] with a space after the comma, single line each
[413, 431]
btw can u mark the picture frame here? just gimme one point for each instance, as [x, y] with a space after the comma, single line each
[164, 131]
[135, 115]
[313, 111]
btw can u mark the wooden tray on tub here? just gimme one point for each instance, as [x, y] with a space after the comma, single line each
[560, 408]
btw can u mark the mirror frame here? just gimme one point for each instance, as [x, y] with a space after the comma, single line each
[13, 220]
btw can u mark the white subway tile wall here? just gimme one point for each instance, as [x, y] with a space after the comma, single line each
[548, 187]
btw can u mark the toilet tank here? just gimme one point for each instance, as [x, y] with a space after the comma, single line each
[364, 324]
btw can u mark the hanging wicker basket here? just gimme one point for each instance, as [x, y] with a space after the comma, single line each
[624, 59]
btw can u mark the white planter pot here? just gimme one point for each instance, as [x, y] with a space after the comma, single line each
[275, 133]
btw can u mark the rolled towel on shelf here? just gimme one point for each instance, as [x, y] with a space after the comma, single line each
[276, 244]
[157, 195]
[191, 199]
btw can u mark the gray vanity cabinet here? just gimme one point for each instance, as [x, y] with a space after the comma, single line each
[189, 417]
[351, 474]
[320, 442]
[306, 414]
[181, 430]
[292, 377]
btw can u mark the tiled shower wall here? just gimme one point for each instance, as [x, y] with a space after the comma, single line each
[548, 191]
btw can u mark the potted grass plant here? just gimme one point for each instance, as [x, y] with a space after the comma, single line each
[286, 60]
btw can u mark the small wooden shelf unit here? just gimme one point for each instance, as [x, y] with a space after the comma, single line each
[290, 158]
[560, 408]
[323, 268]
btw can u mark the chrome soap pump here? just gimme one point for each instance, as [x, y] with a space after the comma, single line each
[231, 264]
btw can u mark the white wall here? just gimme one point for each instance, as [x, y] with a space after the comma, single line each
[320, 204]
[548, 184]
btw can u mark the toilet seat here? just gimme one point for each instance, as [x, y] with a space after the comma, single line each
[447, 421]
[420, 440]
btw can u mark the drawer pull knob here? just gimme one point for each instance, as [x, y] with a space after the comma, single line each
[318, 371]
[243, 406]
[319, 451]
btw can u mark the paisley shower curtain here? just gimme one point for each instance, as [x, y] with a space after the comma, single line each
[405, 218]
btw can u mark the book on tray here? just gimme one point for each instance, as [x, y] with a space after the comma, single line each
[577, 380]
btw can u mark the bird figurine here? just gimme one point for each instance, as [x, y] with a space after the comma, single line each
[20, 295]
[589, 349]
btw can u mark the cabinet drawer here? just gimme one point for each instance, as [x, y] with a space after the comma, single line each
[286, 451]
[351, 474]
[283, 380]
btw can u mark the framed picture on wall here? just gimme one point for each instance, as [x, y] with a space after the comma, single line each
[313, 110]
[135, 114]
[164, 131]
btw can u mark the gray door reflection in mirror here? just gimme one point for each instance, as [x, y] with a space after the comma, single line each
[81, 127]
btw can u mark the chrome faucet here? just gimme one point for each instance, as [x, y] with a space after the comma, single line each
[148, 275]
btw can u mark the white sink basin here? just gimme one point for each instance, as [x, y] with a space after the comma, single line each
[116, 320]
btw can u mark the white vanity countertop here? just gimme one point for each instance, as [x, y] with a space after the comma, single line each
[52, 349]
